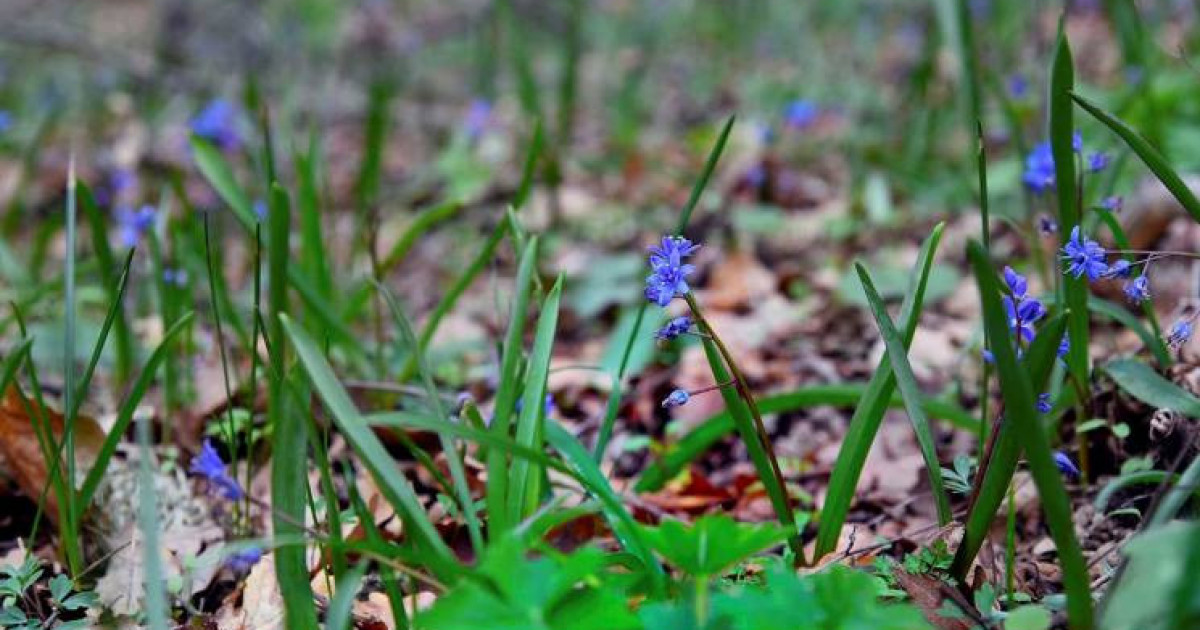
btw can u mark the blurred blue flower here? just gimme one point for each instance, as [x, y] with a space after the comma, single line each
[1077, 142]
[217, 123]
[260, 210]
[668, 276]
[674, 328]
[133, 224]
[547, 405]
[677, 398]
[1065, 465]
[245, 559]
[1039, 168]
[208, 464]
[6, 120]
[1120, 269]
[1113, 203]
[801, 113]
[1043, 403]
[1097, 161]
[1138, 290]
[1064, 347]
[1180, 332]
[177, 277]
[1018, 87]
[1086, 256]
[478, 116]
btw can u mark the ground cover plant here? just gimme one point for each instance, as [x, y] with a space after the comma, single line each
[739, 315]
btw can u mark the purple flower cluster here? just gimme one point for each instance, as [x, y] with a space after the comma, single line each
[674, 328]
[1022, 309]
[133, 224]
[668, 272]
[801, 114]
[217, 123]
[1039, 164]
[208, 464]
[1084, 256]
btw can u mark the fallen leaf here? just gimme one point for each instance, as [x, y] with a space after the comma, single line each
[22, 450]
[930, 595]
[261, 603]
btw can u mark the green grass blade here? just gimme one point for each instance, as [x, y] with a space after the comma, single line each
[340, 615]
[614, 397]
[123, 341]
[1177, 495]
[147, 519]
[710, 165]
[370, 170]
[868, 414]
[454, 461]
[707, 433]
[524, 482]
[392, 484]
[1062, 129]
[125, 413]
[446, 304]
[1148, 154]
[218, 172]
[530, 166]
[1142, 382]
[1018, 395]
[1141, 477]
[316, 266]
[906, 382]
[289, 431]
[994, 475]
[763, 460]
[619, 518]
[506, 394]
[425, 220]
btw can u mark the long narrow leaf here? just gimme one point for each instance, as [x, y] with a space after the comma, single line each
[906, 382]
[1143, 383]
[1018, 395]
[1149, 155]
[524, 487]
[506, 395]
[392, 484]
[868, 415]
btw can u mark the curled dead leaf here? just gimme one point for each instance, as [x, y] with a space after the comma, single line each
[22, 448]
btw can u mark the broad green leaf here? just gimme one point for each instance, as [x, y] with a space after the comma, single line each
[1028, 618]
[712, 544]
[1143, 383]
[1143, 597]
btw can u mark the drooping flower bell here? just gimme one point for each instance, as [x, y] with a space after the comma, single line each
[209, 465]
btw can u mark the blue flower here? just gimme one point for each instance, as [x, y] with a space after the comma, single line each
[479, 115]
[674, 328]
[988, 356]
[1097, 161]
[1120, 269]
[260, 210]
[547, 405]
[668, 276]
[1113, 203]
[1043, 403]
[1039, 168]
[1022, 315]
[1138, 290]
[208, 464]
[5, 121]
[1085, 255]
[1181, 331]
[132, 224]
[800, 113]
[177, 277]
[1064, 347]
[1017, 86]
[1016, 283]
[245, 559]
[1076, 142]
[1065, 465]
[217, 123]
[677, 398]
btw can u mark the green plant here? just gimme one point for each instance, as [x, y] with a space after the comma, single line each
[24, 605]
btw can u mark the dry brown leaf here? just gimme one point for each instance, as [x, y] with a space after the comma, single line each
[21, 448]
[261, 603]
[929, 594]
